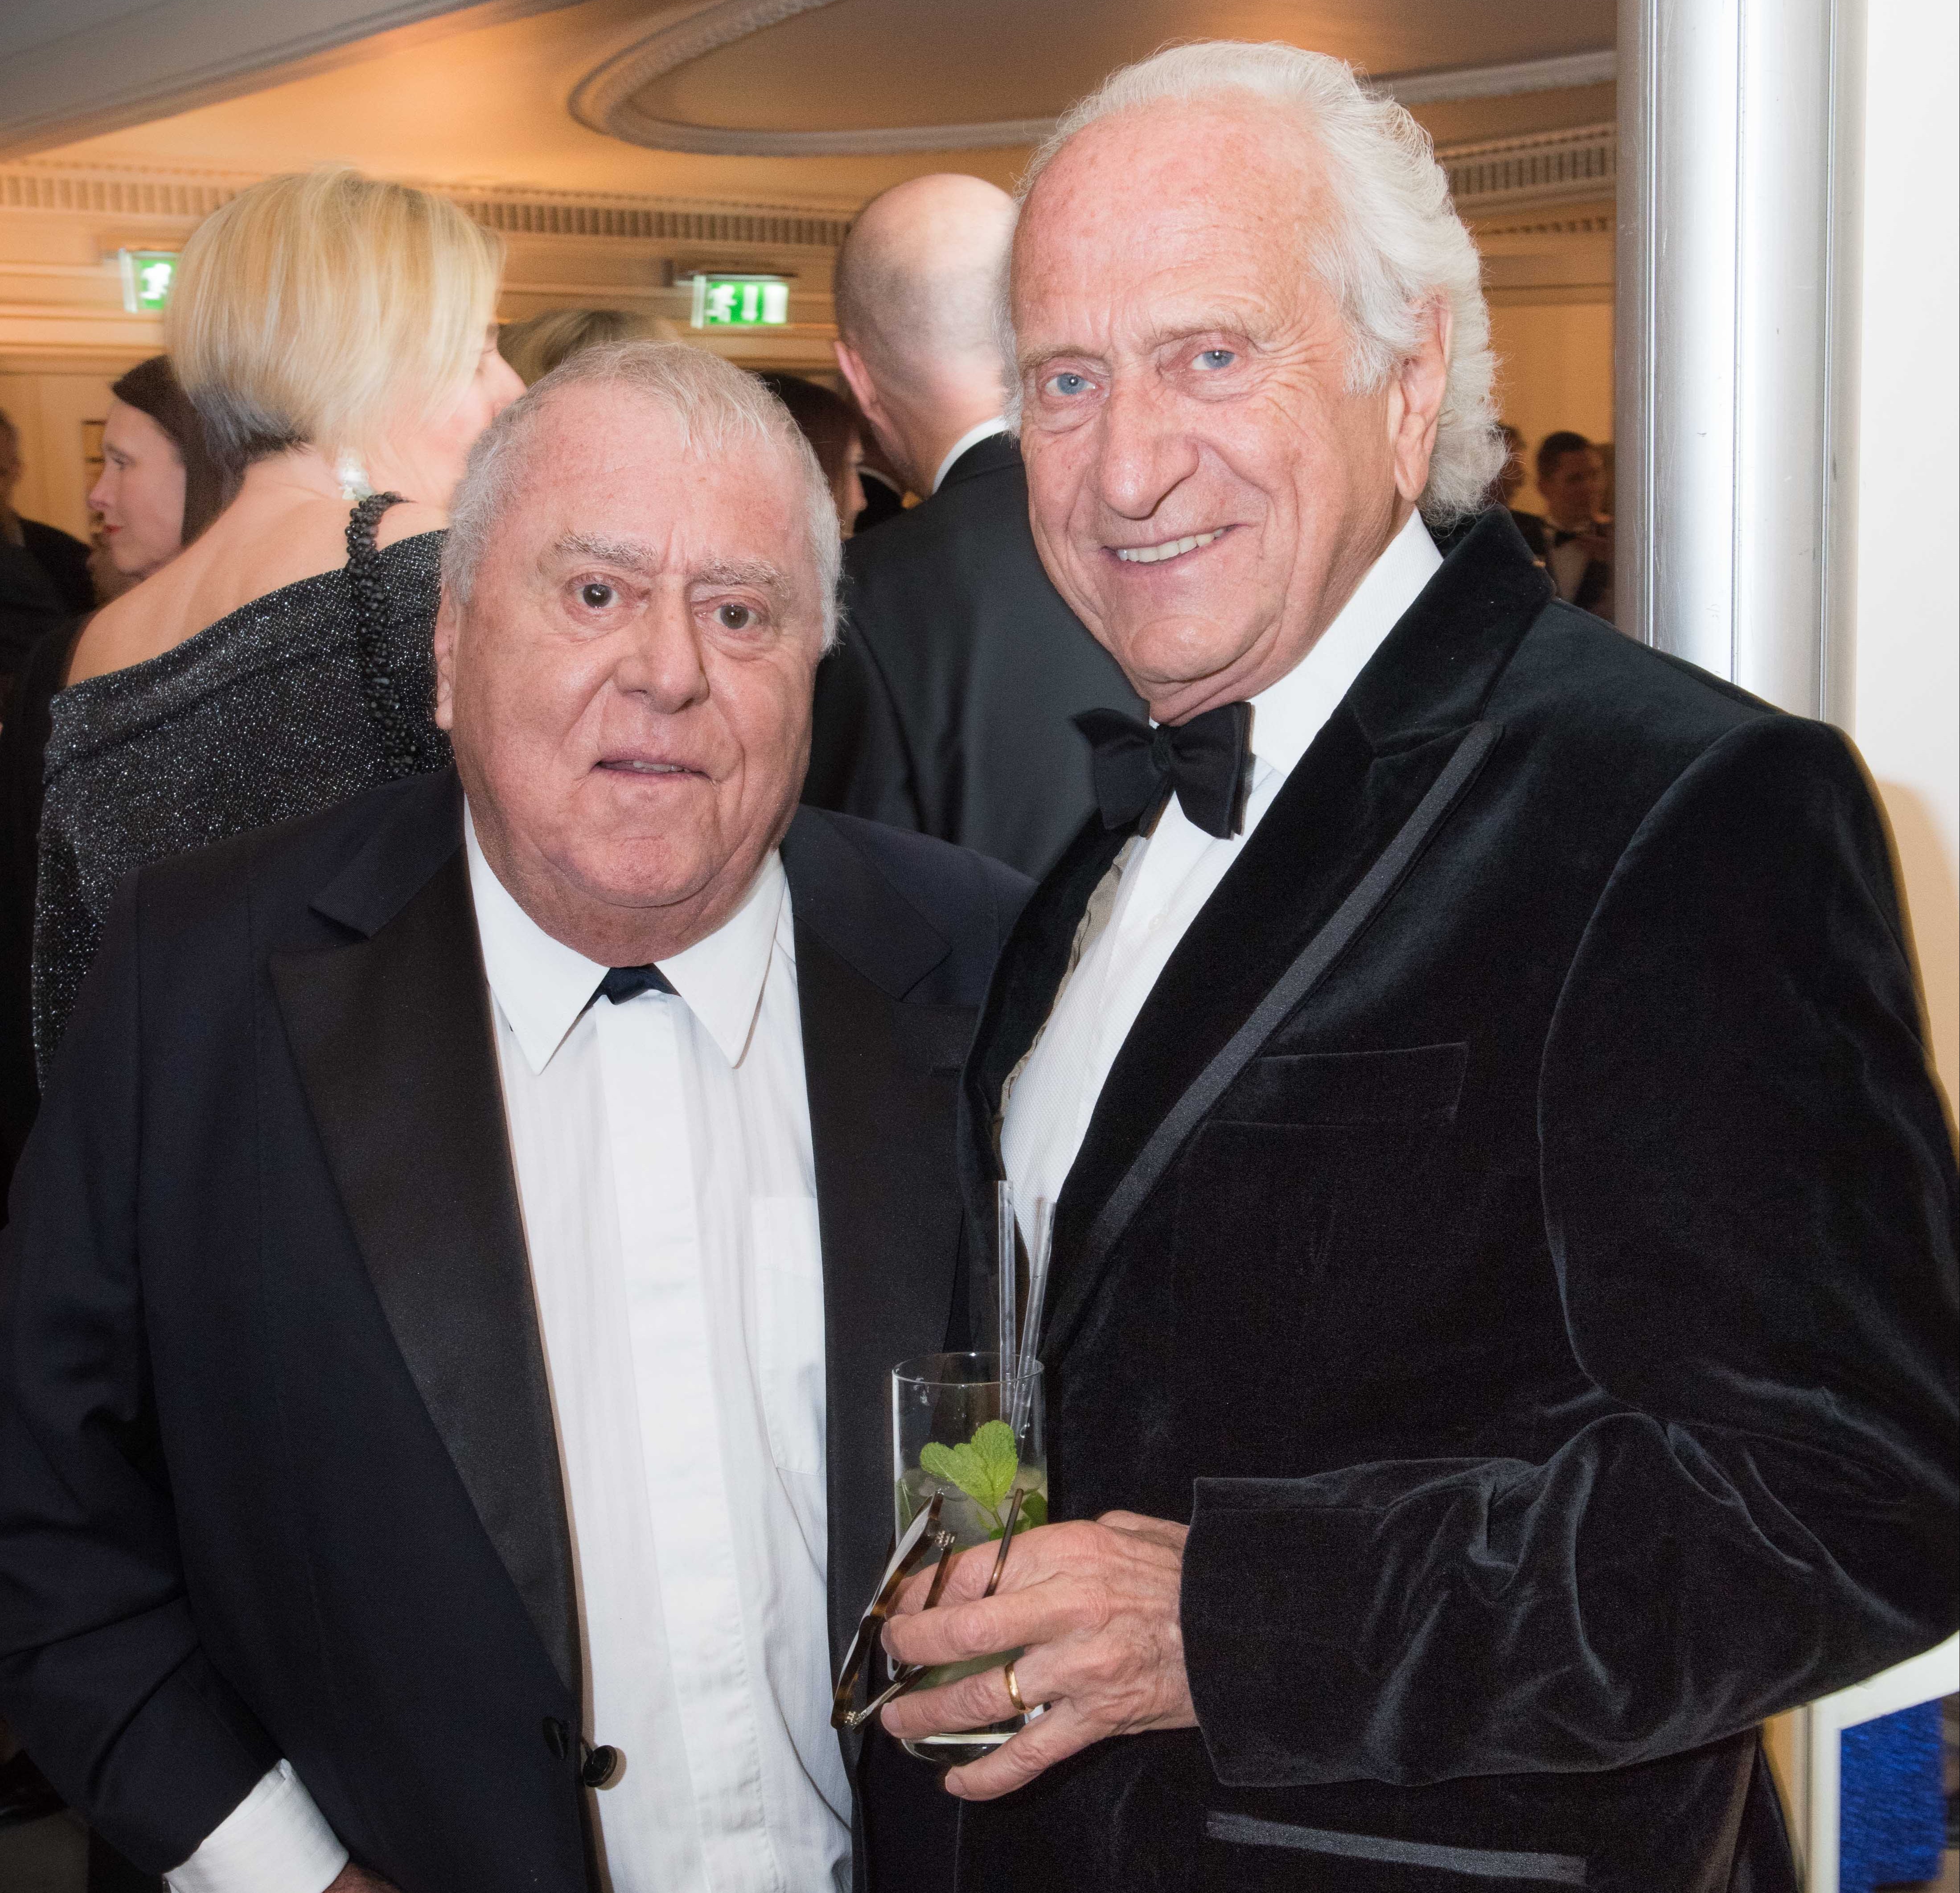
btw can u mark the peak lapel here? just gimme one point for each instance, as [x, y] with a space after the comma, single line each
[391, 1036]
[1352, 795]
[881, 1074]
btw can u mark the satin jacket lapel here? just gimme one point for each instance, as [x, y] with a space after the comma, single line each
[881, 1076]
[391, 1036]
[1348, 798]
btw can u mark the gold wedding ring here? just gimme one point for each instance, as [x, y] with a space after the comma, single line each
[1013, 1688]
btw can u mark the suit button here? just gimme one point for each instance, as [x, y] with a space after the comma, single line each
[557, 1738]
[601, 1765]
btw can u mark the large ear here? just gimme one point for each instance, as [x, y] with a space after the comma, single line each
[448, 626]
[1416, 393]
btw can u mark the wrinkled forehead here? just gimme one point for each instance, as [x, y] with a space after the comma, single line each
[606, 467]
[1217, 200]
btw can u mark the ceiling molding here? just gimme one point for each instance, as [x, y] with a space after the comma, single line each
[1500, 81]
[136, 191]
[605, 99]
[1502, 174]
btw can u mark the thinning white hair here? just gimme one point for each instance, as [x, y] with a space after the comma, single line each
[1393, 249]
[715, 408]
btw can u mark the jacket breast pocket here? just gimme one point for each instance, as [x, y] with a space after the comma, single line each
[1249, 1856]
[1310, 1218]
[1411, 1085]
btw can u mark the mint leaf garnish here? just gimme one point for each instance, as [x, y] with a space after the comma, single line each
[994, 1444]
[983, 1469]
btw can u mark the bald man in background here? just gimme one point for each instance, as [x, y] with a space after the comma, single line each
[947, 709]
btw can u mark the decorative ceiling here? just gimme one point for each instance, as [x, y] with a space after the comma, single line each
[818, 77]
[822, 102]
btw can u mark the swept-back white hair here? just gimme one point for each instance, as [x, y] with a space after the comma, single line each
[714, 407]
[1393, 248]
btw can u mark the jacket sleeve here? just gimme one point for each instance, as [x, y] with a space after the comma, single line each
[1749, 1194]
[102, 1675]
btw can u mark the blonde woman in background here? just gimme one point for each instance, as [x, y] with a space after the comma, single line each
[338, 335]
[538, 344]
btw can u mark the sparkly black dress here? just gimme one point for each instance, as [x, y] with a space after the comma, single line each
[295, 701]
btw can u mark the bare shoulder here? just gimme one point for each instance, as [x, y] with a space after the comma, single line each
[260, 545]
[407, 519]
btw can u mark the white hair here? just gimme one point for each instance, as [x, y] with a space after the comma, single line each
[1394, 248]
[714, 406]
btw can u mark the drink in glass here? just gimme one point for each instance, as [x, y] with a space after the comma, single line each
[958, 1429]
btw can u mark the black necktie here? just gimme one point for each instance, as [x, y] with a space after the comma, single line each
[1208, 761]
[623, 983]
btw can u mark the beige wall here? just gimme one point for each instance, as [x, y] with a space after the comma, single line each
[49, 410]
[1555, 370]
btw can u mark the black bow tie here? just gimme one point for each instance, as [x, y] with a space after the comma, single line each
[623, 983]
[1207, 761]
[1560, 536]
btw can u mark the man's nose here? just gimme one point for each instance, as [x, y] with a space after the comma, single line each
[1145, 454]
[662, 659]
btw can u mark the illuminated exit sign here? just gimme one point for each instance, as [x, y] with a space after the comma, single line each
[146, 277]
[740, 302]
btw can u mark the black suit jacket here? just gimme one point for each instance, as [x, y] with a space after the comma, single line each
[30, 607]
[280, 1476]
[64, 559]
[947, 708]
[1518, 1236]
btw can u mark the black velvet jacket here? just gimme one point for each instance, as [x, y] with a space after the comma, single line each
[1542, 1311]
[277, 1470]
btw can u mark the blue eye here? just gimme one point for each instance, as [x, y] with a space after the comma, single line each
[1210, 360]
[1067, 383]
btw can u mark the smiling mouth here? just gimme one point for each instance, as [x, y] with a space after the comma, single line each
[633, 765]
[1170, 549]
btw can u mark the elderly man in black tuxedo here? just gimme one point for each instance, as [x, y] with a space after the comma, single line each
[1502, 1295]
[450, 1287]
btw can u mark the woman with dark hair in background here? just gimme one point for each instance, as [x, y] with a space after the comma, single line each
[337, 335]
[829, 423]
[160, 487]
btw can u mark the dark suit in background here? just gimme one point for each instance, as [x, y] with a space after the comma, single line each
[882, 500]
[947, 707]
[31, 607]
[1542, 1315]
[64, 559]
[269, 1223]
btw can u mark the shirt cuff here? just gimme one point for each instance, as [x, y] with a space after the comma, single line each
[275, 1841]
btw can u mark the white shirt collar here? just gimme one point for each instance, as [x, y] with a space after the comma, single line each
[1287, 715]
[543, 986]
[971, 438]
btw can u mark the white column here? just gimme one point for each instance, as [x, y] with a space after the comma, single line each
[1727, 273]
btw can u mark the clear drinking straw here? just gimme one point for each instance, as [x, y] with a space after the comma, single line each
[1022, 1390]
[1006, 1253]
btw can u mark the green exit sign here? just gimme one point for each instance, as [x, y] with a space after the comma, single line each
[146, 277]
[740, 302]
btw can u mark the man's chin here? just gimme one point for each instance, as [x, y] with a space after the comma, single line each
[1181, 660]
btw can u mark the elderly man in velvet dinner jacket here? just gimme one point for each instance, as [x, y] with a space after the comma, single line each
[1502, 1310]
[451, 1286]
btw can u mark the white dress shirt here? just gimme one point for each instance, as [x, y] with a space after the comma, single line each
[1165, 878]
[981, 430]
[664, 1169]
